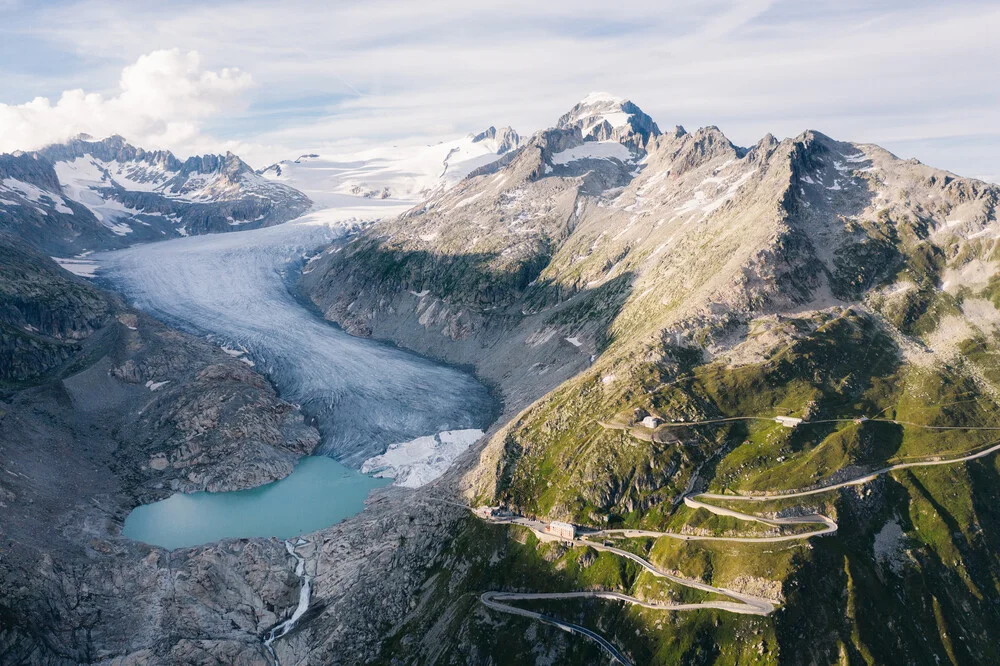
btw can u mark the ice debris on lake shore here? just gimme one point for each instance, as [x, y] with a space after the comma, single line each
[418, 462]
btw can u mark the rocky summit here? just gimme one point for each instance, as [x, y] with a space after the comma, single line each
[749, 400]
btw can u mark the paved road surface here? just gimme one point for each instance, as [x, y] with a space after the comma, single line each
[491, 600]
[853, 482]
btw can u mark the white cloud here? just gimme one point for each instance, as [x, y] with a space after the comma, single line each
[162, 100]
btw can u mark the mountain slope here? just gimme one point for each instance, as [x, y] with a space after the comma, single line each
[683, 278]
[88, 195]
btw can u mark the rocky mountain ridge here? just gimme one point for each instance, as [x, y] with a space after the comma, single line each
[611, 281]
[90, 195]
[603, 117]
[528, 234]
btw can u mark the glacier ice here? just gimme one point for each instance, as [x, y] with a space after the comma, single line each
[365, 395]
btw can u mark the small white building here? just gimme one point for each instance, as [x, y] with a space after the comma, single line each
[561, 529]
[788, 421]
[651, 422]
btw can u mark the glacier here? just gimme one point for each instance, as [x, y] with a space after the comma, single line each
[238, 289]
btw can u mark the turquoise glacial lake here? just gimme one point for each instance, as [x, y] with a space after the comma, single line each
[320, 492]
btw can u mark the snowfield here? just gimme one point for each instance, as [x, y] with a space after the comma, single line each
[396, 172]
[78, 266]
[593, 150]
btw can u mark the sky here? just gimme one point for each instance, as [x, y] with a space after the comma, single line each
[272, 80]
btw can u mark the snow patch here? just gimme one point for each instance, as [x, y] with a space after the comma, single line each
[615, 119]
[701, 201]
[900, 287]
[975, 275]
[80, 267]
[598, 97]
[593, 150]
[418, 462]
[384, 176]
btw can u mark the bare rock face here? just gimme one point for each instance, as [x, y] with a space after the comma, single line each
[604, 117]
[45, 313]
[502, 141]
[368, 576]
[127, 372]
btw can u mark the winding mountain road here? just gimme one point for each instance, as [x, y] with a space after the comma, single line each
[493, 600]
[742, 603]
[829, 525]
[857, 481]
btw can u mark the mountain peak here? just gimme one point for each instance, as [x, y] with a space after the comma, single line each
[504, 139]
[603, 117]
[487, 133]
[596, 105]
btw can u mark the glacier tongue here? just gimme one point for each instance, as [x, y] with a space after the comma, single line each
[364, 395]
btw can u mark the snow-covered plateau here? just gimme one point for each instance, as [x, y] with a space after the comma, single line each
[391, 172]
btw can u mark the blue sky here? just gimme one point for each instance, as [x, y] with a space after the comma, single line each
[919, 78]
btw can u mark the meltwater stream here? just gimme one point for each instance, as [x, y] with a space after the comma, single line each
[365, 395]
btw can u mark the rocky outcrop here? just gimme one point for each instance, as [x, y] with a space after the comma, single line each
[45, 313]
[28, 168]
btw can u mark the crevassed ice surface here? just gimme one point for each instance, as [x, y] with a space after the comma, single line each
[364, 394]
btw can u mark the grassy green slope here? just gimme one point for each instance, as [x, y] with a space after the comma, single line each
[911, 577]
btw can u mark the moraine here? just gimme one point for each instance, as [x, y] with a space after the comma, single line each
[365, 396]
